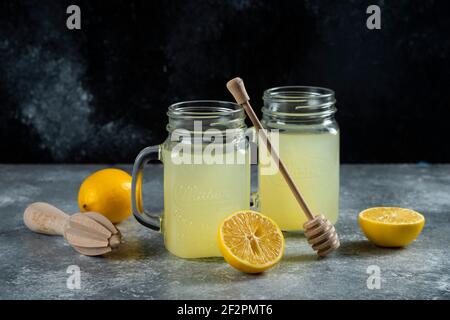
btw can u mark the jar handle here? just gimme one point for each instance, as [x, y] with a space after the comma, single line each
[149, 220]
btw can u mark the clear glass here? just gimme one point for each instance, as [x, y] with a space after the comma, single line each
[206, 175]
[309, 146]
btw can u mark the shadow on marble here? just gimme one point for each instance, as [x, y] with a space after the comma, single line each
[226, 277]
[365, 248]
[300, 258]
[294, 235]
[136, 249]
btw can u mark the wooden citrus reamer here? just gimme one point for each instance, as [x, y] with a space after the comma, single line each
[320, 233]
[88, 233]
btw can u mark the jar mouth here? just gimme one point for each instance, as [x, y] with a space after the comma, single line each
[203, 109]
[212, 114]
[304, 102]
[297, 93]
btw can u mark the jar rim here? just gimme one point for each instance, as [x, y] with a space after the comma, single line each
[203, 109]
[298, 104]
[200, 115]
[297, 93]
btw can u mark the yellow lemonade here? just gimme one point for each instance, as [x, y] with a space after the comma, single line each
[313, 161]
[197, 198]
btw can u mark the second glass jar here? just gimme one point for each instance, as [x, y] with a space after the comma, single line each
[308, 143]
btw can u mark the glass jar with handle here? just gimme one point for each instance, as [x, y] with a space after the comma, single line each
[206, 175]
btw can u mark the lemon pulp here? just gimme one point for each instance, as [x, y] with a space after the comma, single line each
[250, 241]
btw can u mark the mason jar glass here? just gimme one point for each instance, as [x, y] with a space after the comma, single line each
[206, 175]
[307, 136]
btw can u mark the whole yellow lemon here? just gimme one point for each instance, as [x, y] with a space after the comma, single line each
[108, 192]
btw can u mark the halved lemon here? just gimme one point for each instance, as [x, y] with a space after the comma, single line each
[391, 226]
[250, 241]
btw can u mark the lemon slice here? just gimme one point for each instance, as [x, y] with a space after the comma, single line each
[250, 241]
[391, 226]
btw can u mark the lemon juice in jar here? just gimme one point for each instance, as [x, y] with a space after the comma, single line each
[308, 143]
[198, 197]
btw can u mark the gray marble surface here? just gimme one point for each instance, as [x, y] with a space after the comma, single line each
[35, 266]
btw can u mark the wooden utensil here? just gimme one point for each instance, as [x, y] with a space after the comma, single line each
[320, 233]
[90, 233]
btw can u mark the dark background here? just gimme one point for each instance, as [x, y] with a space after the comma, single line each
[100, 94]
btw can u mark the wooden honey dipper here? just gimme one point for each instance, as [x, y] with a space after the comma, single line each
[320, 233]
[88, 233]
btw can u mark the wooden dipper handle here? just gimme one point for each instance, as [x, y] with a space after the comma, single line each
[237, 89]
[44, 218]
